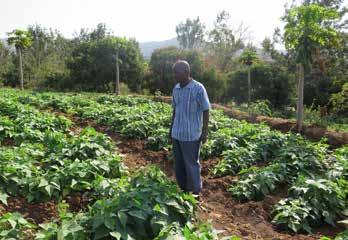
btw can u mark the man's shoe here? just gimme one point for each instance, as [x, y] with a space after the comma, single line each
[197, 197]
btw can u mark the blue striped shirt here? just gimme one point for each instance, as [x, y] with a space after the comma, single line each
[189, 102]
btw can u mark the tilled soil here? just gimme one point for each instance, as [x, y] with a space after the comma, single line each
[37, 212]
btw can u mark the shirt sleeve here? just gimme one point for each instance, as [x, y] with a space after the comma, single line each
[203, 99]
[173, 100]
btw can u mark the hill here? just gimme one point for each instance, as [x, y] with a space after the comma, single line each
[148, 47]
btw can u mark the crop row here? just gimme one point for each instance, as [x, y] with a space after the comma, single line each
[42, 159]
[265, 160]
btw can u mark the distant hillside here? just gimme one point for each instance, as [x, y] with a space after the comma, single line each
[148, 47]
[3, 41]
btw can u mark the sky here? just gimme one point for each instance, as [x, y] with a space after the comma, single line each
[145, 20]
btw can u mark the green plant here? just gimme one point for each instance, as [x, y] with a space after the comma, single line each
[147, 205]
[260, 107]
[14, 226]
[258, 183]
[311, 202]
[293, 214]
[192, 232]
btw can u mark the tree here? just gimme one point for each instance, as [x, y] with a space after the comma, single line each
[339, 101]
[248, 58]
[308, 28]
[191, 33]
[117, 83]
[21, 40]
[223, 41]
[93, 64]
[161, 64]
[5, 60]
[46, 56]
[117, 64]
[270, 81]
[215, 83]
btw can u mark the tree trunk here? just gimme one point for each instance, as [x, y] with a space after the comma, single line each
[19, 51]
[249, 86]
[117, 85]
[300, 97]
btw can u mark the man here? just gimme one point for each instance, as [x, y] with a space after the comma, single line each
[189, 127]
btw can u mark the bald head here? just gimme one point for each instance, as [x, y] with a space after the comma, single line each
[181, 66]
[181, 70]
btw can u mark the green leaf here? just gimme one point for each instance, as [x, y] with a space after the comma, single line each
[43, 182]
[110, 223]
[123, 218]
[73, 183]
[3, 198]
[138, 214]
[116, 235]
[48, 189]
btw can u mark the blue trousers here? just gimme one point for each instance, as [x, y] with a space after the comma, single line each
[187, 166]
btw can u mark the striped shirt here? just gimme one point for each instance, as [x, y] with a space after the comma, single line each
[189, 102]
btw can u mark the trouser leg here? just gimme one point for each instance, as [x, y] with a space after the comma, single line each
[179, 165]
[190, 153]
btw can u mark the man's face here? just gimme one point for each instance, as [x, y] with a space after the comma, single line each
[180, 75]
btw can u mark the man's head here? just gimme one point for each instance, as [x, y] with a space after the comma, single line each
[181, 70]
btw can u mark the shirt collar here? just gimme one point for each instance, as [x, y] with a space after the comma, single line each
[189, 85]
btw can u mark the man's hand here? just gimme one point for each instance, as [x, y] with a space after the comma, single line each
[171, 128]
[170, 139]
[204, 136]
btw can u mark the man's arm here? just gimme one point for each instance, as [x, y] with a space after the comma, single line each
[204, 136]
[205, 107]
[171, 126]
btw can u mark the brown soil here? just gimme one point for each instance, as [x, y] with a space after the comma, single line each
[8, 142]
[312, 132]
[37, 212]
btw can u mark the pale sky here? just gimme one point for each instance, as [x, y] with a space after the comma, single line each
[146, 20]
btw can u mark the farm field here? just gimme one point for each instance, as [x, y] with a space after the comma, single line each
[94, 166]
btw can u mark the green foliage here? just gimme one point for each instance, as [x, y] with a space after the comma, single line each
[248, 57]
[14, 226]
[291, 156]
[259, 183]
[260, 107]
[21, 39]
[311, 202]
[307, 27]
[269, 82]
[147, 205]
[48, 162]
[92, 66]
[161, 64]
[144, 205]
[215, 83]
[241, 145]
[234, 160]
[340, 101]
[294, 214]
[190, 231]
[223, 41]
[69, 226]
[191, 33]
[5, 63]
[44, 160]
